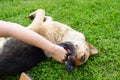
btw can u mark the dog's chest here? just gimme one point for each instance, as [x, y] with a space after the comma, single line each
[55, 31]
[73, 35]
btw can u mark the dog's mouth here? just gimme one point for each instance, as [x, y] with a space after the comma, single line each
[69, 62]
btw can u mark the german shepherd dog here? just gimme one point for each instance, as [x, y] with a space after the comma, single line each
[57, 32]
[17, 56]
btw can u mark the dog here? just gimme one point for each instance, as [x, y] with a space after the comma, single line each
[57, 32]
[17, 56]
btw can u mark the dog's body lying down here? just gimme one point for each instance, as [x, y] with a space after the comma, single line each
[16, 56]
[57, 32]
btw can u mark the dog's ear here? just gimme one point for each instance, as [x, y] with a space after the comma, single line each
[93, 50]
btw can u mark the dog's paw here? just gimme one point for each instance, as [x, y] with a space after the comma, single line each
[33, 14]
[47, 18]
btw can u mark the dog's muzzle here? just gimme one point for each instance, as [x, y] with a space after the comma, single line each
[69, 62]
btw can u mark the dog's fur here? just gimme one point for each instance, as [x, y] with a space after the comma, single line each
[16, 56]
[57, 32]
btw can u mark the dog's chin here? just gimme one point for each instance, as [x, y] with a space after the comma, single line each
[69, 62]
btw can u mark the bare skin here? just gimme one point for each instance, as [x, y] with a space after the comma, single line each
[28, 36]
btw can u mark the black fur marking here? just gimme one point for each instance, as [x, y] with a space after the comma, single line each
[17, 57]
[69, 62]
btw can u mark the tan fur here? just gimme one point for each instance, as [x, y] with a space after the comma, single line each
[57, 32]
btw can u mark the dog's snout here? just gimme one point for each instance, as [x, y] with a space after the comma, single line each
[69, 63]
[69, 68]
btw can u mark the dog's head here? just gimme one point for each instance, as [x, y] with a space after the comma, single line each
[83, 51]
[77, 54]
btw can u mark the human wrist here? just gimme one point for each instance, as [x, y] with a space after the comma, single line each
[53, 49]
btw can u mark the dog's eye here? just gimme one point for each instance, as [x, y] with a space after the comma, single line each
[76, 46]
[82, 59]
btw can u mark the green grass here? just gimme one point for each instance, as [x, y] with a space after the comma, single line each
[99, 20]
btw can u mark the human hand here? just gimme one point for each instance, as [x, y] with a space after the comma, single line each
[59, 53]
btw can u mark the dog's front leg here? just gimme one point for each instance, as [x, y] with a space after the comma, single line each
[37, 23]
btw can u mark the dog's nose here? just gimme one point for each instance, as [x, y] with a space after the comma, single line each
[69, 68]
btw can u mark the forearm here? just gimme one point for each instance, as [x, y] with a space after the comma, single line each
[24, 34]
[33, 38]
[21, 33]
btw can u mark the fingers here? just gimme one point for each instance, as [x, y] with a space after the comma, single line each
[62, 55]
[59, 54]
[59, 58]
[62, 59]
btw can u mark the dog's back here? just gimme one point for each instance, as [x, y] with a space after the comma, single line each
[17, 57]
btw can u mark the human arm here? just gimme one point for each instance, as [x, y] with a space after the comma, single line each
[21, 33]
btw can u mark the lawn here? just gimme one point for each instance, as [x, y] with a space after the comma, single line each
[99, 20]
